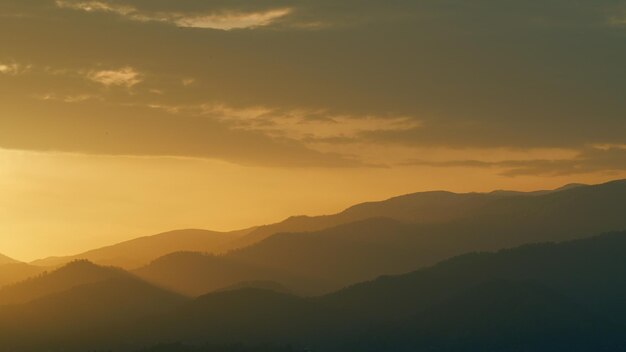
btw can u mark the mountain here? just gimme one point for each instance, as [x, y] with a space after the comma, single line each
[12, 273]
[542, 297]
[422, 207]
[363, 250]
[195, 274]
[344, 254]
[498, 316]
[137, 252]
[425, 208]
[6, 260]
[571, 268]
[86, 314]
[74, 274]
[257, 284]
[532, 298]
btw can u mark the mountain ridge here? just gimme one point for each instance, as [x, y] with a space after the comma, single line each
[125, 254]
[427, 208]
[7, 260]
[362, 250]
[71, 275]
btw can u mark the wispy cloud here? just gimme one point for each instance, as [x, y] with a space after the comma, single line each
[70, 98]
[606, 158]
[12, 68]
[188, 81]
[96, 6]
[618, 20]
[222, 20]
[232, 20]
[124, 77]
[311, 126]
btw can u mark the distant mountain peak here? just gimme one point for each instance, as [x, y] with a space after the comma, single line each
[75, 273]
[570, 186]
[7, 260]
[79, 264]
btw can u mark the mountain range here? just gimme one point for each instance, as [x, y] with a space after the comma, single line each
[322, 261]
[540, 297]
[6, 260]
[314, 255]
[423, 207]
[434, 271]
[142, 250]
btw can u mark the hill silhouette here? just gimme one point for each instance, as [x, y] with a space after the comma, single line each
[83, 314]
[205, 273]
[535, 297]
[542, 297]
[421, 207]
[74, 274]
[359, 251]
[12, 273]
[498, 316]
[427, 209]
[6, 260]
[140, 251]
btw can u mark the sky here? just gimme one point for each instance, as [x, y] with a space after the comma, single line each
[123, 118]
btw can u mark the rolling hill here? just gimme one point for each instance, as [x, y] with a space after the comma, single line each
[83, 315]
[362, 250]
[541, 297]
[205, 273]
[12, 273]
[72, 275]
[140, 251]
[6, 260]
[423, 208]
[536, 297]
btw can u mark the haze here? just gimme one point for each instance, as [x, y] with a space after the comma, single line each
[123, 118]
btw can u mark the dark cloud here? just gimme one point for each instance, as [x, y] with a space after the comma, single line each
[505, 132]
[484, 73]
[590, 160]
[99, 128]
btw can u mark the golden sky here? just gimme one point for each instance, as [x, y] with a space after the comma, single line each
[121, 118]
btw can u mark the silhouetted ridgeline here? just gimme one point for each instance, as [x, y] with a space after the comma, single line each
[137, 252]
[11, 273]
[6, 260]
[74, 274]
[424, 208]
[546, 297]
[327, 260]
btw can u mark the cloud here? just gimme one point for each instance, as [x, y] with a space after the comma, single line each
[590, 160]
[373, 77]
[187, 81]
[12, 69]
[98, 127]
[617, 15]
[232, 20]
[513, 129]
[302, 124]
[70, 98]
[222, 20]
[96, 6]
[124, 77]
